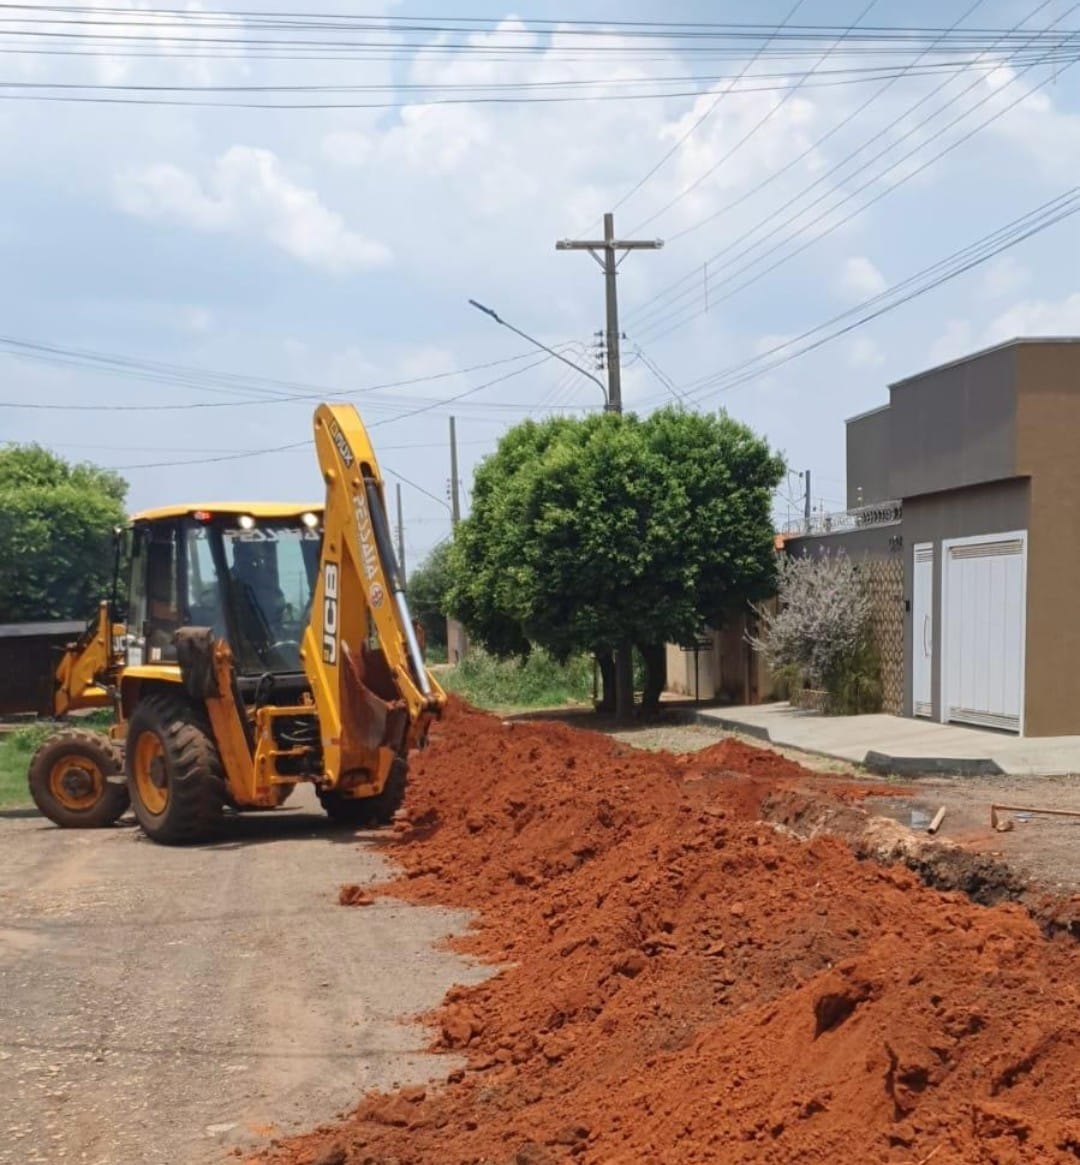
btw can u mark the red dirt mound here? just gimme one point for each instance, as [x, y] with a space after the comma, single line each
[682, 983]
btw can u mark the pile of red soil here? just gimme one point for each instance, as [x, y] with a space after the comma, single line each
[681, 982]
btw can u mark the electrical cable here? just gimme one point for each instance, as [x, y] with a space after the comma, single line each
[635, 314]
[928, 279]
[829, 211]
[771, 112]
[700, 121]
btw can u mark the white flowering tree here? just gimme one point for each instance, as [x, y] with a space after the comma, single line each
[821, 629]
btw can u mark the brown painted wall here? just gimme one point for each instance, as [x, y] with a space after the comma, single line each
[995, 508]
[868, 459]
[873, 543]
[1048, 430]
[954, 426]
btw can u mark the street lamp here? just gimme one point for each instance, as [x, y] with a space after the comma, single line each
[551, 351]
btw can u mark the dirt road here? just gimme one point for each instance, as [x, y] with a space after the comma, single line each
[161, 1005]
[1041, 849]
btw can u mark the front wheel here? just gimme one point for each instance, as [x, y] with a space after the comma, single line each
[361, 811]
[74, 780]
[174, 771]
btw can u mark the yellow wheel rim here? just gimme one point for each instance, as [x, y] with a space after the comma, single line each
[151, 778]
[76, 783]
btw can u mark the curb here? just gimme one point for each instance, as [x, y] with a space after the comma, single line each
[879, 763]
[947, 766]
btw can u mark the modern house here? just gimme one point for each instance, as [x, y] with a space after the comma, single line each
[963, 497]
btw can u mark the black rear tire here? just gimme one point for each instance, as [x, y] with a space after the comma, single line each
[74, 779]
[175, 775]
[368, 811]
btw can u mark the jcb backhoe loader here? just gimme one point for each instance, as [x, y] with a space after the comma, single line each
[263, 645]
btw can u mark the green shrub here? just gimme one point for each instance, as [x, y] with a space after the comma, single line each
[537, 682]
[856, 686]
[27, 738]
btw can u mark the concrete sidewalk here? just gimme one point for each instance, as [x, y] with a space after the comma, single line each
[894, 744]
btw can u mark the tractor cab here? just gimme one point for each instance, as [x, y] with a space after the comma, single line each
[247, 572]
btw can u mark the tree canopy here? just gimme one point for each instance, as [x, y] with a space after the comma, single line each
[429, 586]
[586, 534]
[56, 522]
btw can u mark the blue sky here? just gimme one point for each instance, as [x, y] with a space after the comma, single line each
[338, 248]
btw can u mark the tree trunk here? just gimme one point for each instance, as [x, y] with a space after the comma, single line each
[624, 683]
[655, 657]
[605, 661]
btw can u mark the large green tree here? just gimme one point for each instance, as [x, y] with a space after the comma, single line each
[613, 530]
[429, 585]
[56, 522]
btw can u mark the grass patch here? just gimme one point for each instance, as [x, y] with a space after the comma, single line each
[19, 744]
[16, 749]
[505, 684]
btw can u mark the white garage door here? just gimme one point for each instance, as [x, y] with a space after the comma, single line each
[982, 665]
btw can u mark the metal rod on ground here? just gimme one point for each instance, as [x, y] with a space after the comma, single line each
[935, 825]
[996, 823]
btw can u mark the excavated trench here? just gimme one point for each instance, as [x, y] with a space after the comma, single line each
[718, 957]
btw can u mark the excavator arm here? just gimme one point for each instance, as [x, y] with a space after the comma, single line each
[86, 673]
[374, 697]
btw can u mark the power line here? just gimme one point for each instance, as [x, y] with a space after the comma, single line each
[904, 73]
[755, 128]
[205, 449]
[975, 254]
[703, 118]
[788, 77]
[92, 97]
[160, 20]
[821, 178]
[731, 276]
[276, 391]
[660, 375]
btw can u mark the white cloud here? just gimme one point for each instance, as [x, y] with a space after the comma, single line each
[1004, 277]
[763, 345]
[347, 147]
[1033, 317]
[864, 353]
[1036, 317]
[248, 193]
[861, 278]
[955, 341]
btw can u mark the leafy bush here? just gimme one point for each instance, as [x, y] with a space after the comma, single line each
[27, 738]
[536, 682]
[428, 587]
[820, 635]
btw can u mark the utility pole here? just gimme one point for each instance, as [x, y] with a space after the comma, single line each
[606, 252]
[455, 501]
[806, 500]
[400, 536]
[457, 642]
[609, 252]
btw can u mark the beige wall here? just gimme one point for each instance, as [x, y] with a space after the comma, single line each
[1048, 429]
[730, 670]
[680, 672]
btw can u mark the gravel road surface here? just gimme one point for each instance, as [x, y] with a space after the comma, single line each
[165, 1005]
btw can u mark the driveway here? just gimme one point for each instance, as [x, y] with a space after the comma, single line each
[165, 1005]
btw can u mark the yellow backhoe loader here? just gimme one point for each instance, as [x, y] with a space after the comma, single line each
[263, 645]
